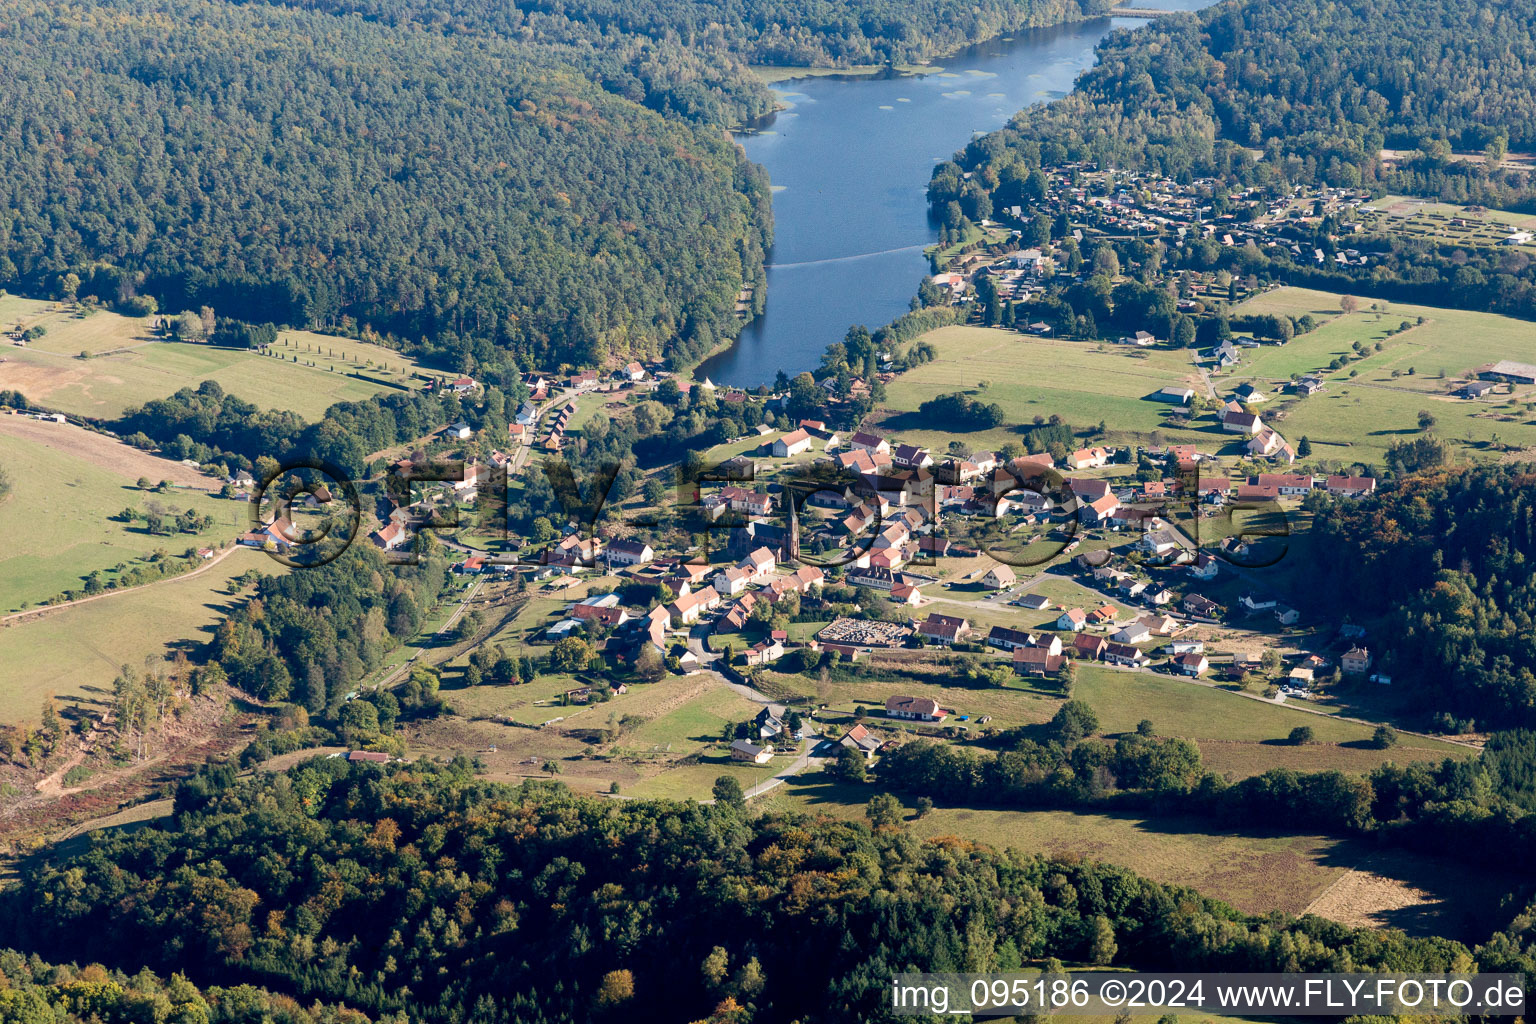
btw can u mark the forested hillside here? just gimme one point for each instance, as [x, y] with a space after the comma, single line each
[1445, 560]
[293, 167]
[549, 179]
[419, 890]
[1316, 87]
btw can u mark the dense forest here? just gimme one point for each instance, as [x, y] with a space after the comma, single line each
[1444, 561]
[300, 168]
[33, 991]
[418, 890]
[550, 180]
[309, 637]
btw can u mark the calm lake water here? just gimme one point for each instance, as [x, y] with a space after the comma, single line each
[850, 160]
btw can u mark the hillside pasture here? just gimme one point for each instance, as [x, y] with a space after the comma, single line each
[128, 365]
[1357, 417]
[74, 653]
[1237, 735]
[61, 519]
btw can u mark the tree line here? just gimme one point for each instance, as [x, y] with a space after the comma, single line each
[418, 890]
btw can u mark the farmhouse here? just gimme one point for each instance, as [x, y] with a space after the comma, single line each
[687, 608]
[759, 564]
[1085, 489]
[1123, 654]
[1308, 385]
[1356, 661]
[731, 581]
[1174, 396]
[1267, 443]
[1351, 486]
[1103, 615]
[388, 538]
[602, 616]
[871, 443]
[1193, 664]
[944, 629]
[911, 457]
[764, 652]
[921, 709]
[1101, 510]
[1134, 633]
[1088, 458]
[1009, 639]
[1160, 542]
[1477, 388]
[876, 577]
[1072, 619]
[629, 552]
[792, 444]
[1088, 646]
[1241, 422]
[1289, 485]
[860, 739]
[574, 551]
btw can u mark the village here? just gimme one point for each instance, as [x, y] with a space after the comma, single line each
[816, 546]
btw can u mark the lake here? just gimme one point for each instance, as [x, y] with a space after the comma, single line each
[850, 158]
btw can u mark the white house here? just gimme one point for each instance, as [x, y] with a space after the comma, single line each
[1072, 619]
[792, 444]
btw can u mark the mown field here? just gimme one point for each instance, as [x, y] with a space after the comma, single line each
[1354, 420]
[75, 653]
[1254, 871]
[1357, 417]
[1238, 735]
[1083, 382]
[304, 372]
[61, 520]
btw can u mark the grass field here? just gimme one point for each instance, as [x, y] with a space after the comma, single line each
[304, 372]
[695, 725]
[60, 518]
[76, 652]
[1236, 734]
[1356, 418]
[1254, 872]
[1083, 382]
[669, 735]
